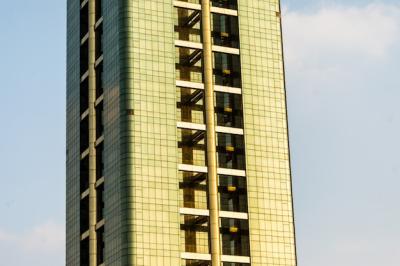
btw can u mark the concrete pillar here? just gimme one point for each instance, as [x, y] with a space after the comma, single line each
[211, 134]
[92, 136]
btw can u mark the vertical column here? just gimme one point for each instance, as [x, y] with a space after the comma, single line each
[211, 142]
[92, 136]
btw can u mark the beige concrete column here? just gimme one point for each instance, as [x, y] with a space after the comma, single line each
[211, 135]
[92, 137]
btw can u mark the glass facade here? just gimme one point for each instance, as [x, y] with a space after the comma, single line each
[177, 142]
[266, 133]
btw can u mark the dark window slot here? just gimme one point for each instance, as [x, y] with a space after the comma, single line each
[227, 70]
[235, 237]
[231, 151]
[225, 30]
[233, 193]
[98, 9]
[84, 174]
[84, 214]
[84, 21]
[84, 134]
[99, 120]
[99, 161]
[99, 40]
[84, 252]
[99, 80]
[100, 245]
[100, 202]
[195, 263]
[84, 95]
[84, 57]
[229, 110]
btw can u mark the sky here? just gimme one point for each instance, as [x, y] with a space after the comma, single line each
[342, 63]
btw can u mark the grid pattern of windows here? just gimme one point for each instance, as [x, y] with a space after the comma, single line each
[268, 169]
[113, 227]
[73, 166]
[90, 134]
[148, 134]
[137, 134]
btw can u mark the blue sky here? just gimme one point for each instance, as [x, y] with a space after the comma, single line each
[342, 64]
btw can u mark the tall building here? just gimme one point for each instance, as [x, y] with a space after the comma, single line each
[177, 138]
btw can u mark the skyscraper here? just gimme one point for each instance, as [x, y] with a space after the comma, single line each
[177, 142]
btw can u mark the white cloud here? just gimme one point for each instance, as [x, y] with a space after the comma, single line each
[48, 237]
[368, 31]
[42, 244]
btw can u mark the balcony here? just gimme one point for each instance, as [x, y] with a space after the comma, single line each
[225, 30]
[235, 237]
[230, 149]
[232, 193]
[227, 70]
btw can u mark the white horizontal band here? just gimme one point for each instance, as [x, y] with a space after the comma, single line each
[224, 11]
[218, 10]
[193, 211]
[100, 181]
[227, 50]
[85, 194]
[100, 224]
[187, 5]
[85, 114]
[234, 215]
[85, 38]
[222, 214]
[85, 153]
[215, 48]
[192, 168]
[237, 259]
[101, 97]
[194, 126]
[99, 21]
[195, 256]
[85, 75]
[189, 84]
[232, 172]
[85, 235]
[200, 86]
[226, 89]
[203, 169]
[193, 45]
[219, 129]
[99, 140]
[229, 130]
[224, 258]
[84, 3]
[98, 61]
